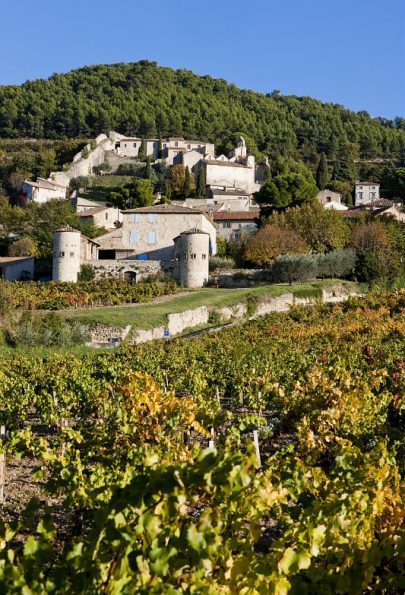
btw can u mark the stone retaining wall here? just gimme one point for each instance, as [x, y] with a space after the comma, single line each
[180, 321]
[117, 268]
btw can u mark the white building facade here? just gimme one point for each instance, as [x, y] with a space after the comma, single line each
[366, 192]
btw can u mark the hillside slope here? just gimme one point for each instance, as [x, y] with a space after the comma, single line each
[145, 99]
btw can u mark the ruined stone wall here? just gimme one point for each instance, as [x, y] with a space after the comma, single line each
[117, 268]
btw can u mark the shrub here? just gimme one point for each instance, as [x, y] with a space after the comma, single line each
[214, 318]
[221, 262]
[87, 273]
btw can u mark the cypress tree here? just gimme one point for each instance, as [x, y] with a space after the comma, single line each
[187, 183]
[141, 152]
[322, 173]
[148, 169]
[201, 190]
[167, 189]
[159, 152]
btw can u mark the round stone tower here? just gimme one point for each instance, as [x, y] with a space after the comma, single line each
[66, 254]
[192, 249]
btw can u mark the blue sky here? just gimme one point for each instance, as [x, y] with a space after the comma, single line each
[345, 51]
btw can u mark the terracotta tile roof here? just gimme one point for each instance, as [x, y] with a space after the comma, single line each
[229, 192]
[46, 184]
[235, 215]
[91, 212]
[223, 163]
[11, 259]
[170, 209]
[379, 203]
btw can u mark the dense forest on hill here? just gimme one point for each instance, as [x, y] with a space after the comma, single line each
[144, 99]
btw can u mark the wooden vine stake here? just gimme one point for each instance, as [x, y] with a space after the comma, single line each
[257, 448]
[2, 466]
[211, 443]
[63, 424]
[217, 395]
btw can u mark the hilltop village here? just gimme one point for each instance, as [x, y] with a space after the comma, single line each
[176, 235]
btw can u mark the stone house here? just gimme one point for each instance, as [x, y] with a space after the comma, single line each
[326, 197]
[366, 192]
[42, 190]
[147, 233]
[107, 217]
[16, 268]
[233, 224]
[171, 147]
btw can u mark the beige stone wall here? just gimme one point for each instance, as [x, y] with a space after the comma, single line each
[117, 268]
[231, 176]
[164, 227]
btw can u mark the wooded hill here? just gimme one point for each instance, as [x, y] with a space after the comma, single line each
[145, 99]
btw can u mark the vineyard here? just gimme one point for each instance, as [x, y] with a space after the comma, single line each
[267, 458]
[29, 295]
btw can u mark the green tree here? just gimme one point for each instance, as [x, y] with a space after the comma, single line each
[25, 246]
[322, 229]
[177, 178]
[187, 183]
[148, 169]
[322, 173]
[285, 191]
[141, 152]
[141, 194]
[345, 168]
[201, 183]
[86, 273]
[393, 183]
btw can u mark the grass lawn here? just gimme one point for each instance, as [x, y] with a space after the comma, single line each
[146, 316]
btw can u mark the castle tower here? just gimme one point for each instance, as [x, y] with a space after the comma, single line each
[192, 257]
[66, 254]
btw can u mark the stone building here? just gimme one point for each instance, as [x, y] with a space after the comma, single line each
[191, 253]
[326, 197]
[147, 233]
[16, 268]
[171, 147]
[233, 224]
[42, 190]
[366, 192]
[107, 217]
[71, 249]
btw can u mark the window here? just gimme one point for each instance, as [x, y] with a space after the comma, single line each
[133, 238]
[164, 145]
[188, 146]
[176, 144]
[360, 187]
[61, 254]
[193, 256]
[328, 199]
[72, 255]
[372, 187]
[106, 215]
[199, 146]
[372, 195]
[152, 217]
[151, 237]
[184, 256]
[134, 144]
[134, 218]
[204, 256]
